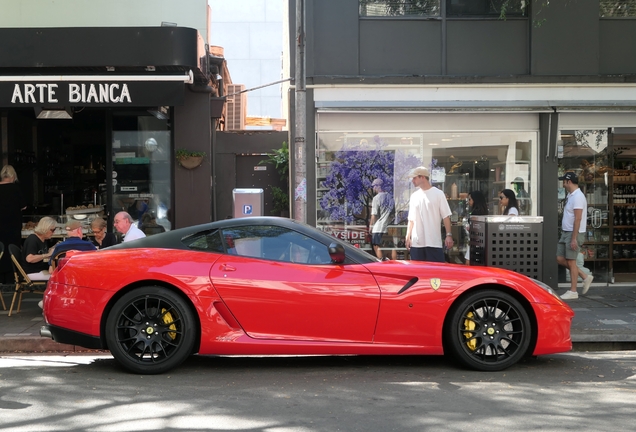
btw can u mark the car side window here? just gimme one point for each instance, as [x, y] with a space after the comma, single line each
[275, 243]
[205, 241]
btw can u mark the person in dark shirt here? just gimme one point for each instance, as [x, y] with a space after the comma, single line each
[35, 252]
[74, 241]
[12, 203]
[102, 239]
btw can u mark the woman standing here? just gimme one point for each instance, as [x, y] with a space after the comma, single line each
[12, 204]
[478, 207]
[508, 201]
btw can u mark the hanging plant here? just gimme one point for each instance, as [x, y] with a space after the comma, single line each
[189, 159]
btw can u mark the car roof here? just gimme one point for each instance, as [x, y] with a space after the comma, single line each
[174, 239]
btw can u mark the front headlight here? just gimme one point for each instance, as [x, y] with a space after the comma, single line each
[546, 288]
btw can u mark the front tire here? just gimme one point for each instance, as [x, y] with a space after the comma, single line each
[150, 330]
[488, 331]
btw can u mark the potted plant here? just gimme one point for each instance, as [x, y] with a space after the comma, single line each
[279, 158]
[189, 159]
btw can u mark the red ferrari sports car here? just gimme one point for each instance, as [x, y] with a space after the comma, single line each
[273, 286]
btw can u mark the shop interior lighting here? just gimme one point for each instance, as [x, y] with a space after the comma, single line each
[54, 113]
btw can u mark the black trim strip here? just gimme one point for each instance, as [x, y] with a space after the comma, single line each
[408, 285]
[70, 337]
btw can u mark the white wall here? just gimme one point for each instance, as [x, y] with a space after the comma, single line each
[251, 33]
[103, 13]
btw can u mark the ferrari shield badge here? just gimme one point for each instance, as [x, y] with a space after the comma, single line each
[436, 283]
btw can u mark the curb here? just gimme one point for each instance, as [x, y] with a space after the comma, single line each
[37, 344]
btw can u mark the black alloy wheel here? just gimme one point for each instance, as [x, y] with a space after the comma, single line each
[150, 330]
[488, 331]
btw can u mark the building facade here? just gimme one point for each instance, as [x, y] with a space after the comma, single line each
[487, 103]
[95, 99]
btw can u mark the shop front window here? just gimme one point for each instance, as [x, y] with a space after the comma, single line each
[586, 152]
[142, 171]
[351, 166]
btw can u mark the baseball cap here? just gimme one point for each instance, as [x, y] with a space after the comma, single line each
[420, 171]
[517, 180]
[377, 182]
[570, 175]
[72, 225]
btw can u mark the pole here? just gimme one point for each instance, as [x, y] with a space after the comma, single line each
[300, 146]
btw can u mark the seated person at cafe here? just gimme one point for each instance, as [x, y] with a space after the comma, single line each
[74, 241]
[125, 225]
[36, 253]
[149, 224]
[102, 239]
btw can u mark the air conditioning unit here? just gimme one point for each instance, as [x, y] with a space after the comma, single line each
[235, 107]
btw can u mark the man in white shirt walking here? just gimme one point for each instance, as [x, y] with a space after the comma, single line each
[574, 227]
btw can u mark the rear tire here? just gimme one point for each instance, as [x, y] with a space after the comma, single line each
[488, 331]
[150, 330]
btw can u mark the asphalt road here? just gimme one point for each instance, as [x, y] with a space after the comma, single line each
[574, 391]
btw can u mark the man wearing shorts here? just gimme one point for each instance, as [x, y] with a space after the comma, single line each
[381, 209]
[573, 226]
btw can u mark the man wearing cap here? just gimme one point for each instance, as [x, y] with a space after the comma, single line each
[73, 241]
[428, 207]
[381, 208]
[573, 227]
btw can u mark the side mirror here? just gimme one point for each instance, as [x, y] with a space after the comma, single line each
[337, 253]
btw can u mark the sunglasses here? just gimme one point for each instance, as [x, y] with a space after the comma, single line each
[501, 197]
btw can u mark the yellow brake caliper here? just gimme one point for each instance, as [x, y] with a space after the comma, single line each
[167, 319]
[470, 325]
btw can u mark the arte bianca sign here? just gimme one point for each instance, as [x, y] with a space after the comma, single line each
[91, 93]
[77, 93]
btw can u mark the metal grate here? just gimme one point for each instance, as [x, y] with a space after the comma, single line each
[512, 243]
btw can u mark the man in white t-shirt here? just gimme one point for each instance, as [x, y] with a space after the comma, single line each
[574, 227]
[428, 207]
[124, 223]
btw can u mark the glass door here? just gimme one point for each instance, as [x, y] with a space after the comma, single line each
[623, 201]
[587, 153]
[142, 171]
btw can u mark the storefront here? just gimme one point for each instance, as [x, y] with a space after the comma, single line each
[92, 132]
[482, 139]
[601, 149]
[464, 152]
[96, 155]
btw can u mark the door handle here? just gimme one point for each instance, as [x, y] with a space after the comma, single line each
[227, 267]
[597, 219]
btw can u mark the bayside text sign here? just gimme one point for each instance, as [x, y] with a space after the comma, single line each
[103, 93]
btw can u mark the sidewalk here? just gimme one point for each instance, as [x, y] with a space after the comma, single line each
[605, 319]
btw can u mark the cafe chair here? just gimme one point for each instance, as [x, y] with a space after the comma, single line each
[4, 306]
[57, 257]
[22, 281]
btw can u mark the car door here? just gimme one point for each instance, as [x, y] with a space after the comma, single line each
[280, 284]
